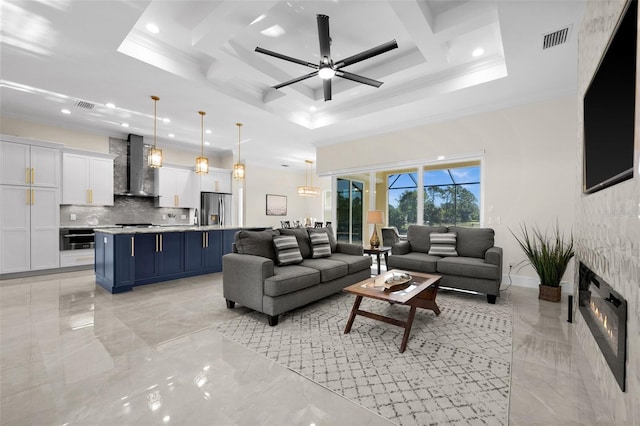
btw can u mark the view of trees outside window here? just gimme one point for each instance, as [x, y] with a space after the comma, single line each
[349, 210]
[451, 197]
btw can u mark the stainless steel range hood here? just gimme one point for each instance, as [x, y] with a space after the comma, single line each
[137, 169]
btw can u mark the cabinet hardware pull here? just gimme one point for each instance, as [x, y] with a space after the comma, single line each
[133, 247]
[160, 242]
[27, 174]
[203, 244]
[28, 197]
[207, 239]
[88, 197]
[33, 197]
[91, 196]
[33, 176]
[156, 243]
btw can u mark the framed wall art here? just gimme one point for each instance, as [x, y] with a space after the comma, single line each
[276, 205]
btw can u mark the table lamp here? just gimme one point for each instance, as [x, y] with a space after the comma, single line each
[374, 217]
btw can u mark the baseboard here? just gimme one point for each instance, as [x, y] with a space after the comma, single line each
[530, 282]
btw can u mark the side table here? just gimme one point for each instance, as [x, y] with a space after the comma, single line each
[378, 251]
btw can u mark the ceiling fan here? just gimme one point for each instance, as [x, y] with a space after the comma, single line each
[327, 67]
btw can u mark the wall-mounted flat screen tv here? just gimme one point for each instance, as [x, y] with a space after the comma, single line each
[609, 109]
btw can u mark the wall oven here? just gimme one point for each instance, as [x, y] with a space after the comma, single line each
[76, 239]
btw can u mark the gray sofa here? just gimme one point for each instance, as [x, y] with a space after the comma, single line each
[476, 264]
[252, 277]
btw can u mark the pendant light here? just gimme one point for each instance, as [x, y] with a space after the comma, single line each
[202, 162]
[154, 158]
[308, 190]
[238, 168]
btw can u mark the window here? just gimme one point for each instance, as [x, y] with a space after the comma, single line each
[403, 201]
[349, 210]
[452, 196]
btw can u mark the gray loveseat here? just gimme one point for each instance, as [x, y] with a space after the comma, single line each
[475, 264]
[252, 277]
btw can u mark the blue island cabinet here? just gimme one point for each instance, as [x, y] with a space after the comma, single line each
[124, 261]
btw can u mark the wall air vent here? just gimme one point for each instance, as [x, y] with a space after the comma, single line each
[84, 104]
[555, 38]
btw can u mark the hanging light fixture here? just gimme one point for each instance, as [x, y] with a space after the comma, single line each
[238, 168]
[308, 190]
[202, 162]
[155, 155]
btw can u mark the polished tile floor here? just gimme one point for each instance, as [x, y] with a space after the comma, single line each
[71, 353]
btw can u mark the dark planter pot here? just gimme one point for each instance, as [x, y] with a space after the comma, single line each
[549, 293]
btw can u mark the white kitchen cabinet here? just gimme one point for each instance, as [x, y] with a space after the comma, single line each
[77, 257]
[29, 236]
[29, 165]
[87, 179]
[217, 180]
[174, 187]
[29, 204]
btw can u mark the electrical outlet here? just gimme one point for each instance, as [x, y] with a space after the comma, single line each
[184, 216]
[72, 216]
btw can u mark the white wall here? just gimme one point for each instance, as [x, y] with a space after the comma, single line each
[261, 181]
[529, 163]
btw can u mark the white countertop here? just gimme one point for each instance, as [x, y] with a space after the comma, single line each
[165, 228]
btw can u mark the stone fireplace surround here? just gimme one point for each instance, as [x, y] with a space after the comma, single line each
[607, 227]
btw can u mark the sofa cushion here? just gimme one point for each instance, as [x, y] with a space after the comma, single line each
[287, 279]
[442, 244]
[473, 242]
[418, 236]
[467, 267]
[414, 261]
[354, 263]
[287, 251]
[302, 236]
[256, 243]
[329, 231]
[329, 269]
[319, 245]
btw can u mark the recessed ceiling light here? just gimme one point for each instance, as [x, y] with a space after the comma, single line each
[207, 143]
[312, 108]
[152, 28]
[208, 131]
[273, 31]
[171, 135]
[110, 105]
[441, 157]
[65, 111]
[124, 124]
[477, 52]
[166, 120]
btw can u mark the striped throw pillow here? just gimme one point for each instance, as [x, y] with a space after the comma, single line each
[320, 246]
[287, 250]
[443, 244]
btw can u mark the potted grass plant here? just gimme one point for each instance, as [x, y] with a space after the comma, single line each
[549, 255]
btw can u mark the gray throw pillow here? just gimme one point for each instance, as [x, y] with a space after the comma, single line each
[319, 245]
[287, 250]
[442, 244]
[256, 243]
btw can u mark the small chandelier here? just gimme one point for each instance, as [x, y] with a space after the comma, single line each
[202, 162]
[154, 158]
[238, 168]
[308, 190]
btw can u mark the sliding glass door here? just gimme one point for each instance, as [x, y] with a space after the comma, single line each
[350, 210]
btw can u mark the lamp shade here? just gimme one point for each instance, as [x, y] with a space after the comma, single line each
[375, 217]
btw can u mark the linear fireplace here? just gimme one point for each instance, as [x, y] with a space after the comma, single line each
[605, 312]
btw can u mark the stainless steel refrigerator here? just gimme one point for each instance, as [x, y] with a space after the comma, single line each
[215, 209]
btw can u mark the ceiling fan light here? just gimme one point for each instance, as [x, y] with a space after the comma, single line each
[326, 73]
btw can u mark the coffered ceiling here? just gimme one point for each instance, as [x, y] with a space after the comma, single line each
[58, 52]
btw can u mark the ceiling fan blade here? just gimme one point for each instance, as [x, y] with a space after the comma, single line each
[358, 78]
[390, 45]
[286, 58]
[326, 85]
[323, 36]
[295, 80]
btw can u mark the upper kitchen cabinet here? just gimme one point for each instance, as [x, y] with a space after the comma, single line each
[217, 180]
[174, 187]
[29, 163]
[87, 178]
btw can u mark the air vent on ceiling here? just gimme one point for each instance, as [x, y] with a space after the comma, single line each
[84, 104]
[555, 38]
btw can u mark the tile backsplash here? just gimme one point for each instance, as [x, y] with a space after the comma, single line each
[124, 210]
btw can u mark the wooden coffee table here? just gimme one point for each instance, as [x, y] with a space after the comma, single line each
[420, 292]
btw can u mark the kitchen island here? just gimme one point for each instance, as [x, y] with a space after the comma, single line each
[132, 256]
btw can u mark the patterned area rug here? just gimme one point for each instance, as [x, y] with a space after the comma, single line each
[455, 370]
